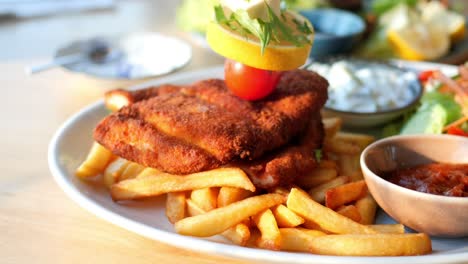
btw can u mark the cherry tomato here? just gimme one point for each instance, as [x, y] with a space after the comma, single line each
[457, 131]
[424, 76]
[249, 83]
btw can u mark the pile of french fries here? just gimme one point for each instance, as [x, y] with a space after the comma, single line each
[329, 211]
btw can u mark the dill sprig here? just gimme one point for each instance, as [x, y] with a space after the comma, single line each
[275, 29]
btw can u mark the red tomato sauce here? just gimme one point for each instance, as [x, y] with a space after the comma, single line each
[434, 178]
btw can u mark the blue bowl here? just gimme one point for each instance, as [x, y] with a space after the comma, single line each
[336, 31]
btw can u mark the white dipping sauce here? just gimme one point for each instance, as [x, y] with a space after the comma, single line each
[368, 89]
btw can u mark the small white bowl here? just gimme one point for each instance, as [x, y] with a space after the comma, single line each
[355, 119]
[429, 213]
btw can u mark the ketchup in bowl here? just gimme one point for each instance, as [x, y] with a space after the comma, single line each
[435, 178]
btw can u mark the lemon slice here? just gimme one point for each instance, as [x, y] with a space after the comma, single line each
[420, 41]
[247, 49]
[454, 23]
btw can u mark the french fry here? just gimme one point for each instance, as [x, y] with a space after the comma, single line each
[281, 190]
[328, 164]
[238, 234]
[318, 193]
[270, 236]
[308, 224]
[392, 229]
[285, 217]
[254, 237]
[356, 176]
[372, 245]
[206, 198]
[220, 219]
[302, 204]
[360, 140]
[348, 164]
[192, 208]
[298, 239]
[346, 193]
[95, 163]
[331, 126]
[175, 206]
[367, 207]
[317, 177]
[228, 195]
[114, 170]
[148, 172]
[153, 185]
[131, 171]
[350, 211]
[341, 147]
[117, 99]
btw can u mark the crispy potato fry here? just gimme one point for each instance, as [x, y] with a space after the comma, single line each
[331, 126]
[285, 217]
[153, 185]
[117, 99]
[132, 170]
[281, 190]
[206, 198]
[356, 176]
[238, 234]
[114, 170]
[311, 225]
[298, 239]
[318, 192]
[302, 204]
[229, 195]
[346, 193]
[266, 223]
[175, 206]
[192, 208]
[328, 164]
[341, 147]
[372, 245]
[360, 140]
[220, 219]
[350, 211]
[317, 177]
[148, 172]
[367, 207]
[97, 160]
[348, 164]
[392, 229]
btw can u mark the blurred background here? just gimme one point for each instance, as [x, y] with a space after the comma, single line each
[38, 28]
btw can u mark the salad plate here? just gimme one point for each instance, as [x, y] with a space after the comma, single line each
[70, 144]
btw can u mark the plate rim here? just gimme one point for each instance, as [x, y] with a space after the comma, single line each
[63, 179]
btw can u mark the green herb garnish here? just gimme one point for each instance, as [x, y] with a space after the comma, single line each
[275, 29]
[318, 155]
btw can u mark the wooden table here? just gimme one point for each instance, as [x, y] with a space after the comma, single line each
[38, 222]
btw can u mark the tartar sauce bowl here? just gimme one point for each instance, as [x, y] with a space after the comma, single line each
[429, 213]
[367, 93]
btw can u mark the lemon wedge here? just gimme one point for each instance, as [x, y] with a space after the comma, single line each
[246, 48]
[454, 23]
[420, 41]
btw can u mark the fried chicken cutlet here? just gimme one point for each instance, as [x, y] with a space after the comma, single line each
[185, 129]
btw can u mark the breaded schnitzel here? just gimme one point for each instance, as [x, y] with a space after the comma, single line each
[199, 127]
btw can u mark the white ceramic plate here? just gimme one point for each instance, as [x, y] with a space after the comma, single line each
[71, 143]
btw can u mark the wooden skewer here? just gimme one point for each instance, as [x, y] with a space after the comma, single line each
[450, 84]
[456, 123]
